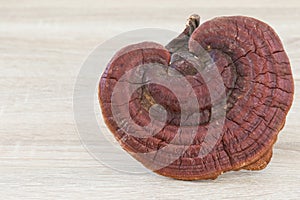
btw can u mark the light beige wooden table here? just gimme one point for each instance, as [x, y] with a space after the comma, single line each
[42, 47]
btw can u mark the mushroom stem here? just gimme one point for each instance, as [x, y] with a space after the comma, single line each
[180, 43]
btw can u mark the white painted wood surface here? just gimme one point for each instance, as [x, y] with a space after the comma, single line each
[42, 47]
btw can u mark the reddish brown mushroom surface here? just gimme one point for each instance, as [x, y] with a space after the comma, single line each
[258, 93]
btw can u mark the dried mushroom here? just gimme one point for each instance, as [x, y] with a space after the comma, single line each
[258, 93]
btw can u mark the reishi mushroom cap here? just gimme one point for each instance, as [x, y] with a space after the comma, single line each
[258, 86]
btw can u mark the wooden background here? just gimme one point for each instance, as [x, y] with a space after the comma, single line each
[42, 47]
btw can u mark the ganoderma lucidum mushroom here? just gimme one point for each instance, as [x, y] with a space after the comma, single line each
[258, 83]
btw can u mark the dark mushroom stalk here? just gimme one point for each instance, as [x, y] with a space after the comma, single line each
[257, 76]
[180, 43]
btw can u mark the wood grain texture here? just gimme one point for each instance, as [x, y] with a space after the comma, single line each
[42, 47]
